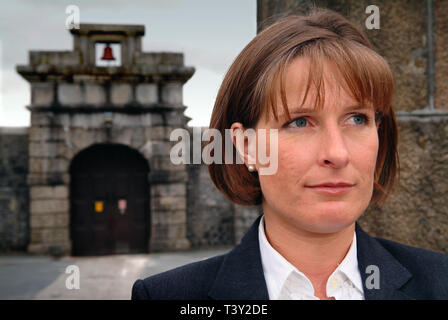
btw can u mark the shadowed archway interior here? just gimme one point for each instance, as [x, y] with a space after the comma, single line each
[109, 201]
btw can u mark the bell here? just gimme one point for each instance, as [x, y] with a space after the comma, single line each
[107, 55]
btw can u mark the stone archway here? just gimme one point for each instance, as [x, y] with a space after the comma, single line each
[109, 201]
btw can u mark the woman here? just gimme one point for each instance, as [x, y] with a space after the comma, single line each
[315, 84]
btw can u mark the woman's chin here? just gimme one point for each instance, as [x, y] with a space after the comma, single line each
[332, 218]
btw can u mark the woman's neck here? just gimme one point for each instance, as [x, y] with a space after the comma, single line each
[316, 255]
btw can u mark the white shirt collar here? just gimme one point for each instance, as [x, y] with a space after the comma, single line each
[277, 269]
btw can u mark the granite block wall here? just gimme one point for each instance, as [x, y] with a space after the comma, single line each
[14, 197]
[209, 215]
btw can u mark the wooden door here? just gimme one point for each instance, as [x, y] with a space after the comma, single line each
[109, 196]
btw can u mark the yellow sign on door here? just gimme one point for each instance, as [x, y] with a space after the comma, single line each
[99, 206]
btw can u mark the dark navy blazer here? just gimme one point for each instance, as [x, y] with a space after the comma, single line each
[404, 273]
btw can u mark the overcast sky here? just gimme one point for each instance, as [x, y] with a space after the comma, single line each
[210, 33]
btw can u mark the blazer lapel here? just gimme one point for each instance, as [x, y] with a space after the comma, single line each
[392, 275]
[241, 274]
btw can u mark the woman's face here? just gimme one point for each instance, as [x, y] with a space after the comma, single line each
[317, 151]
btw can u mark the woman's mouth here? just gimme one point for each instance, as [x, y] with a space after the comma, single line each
[332, 188]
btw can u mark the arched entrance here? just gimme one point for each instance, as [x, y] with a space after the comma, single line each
[109, 201]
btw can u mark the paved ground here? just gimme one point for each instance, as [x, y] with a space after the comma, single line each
[104, 277]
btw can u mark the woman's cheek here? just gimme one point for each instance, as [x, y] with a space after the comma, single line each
[292, 160]
[364, 155]
[288, 171]
[371, 150]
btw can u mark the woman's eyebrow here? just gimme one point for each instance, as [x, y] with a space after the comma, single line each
[313, 110]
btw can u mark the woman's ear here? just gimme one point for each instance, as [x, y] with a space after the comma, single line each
[244, 141]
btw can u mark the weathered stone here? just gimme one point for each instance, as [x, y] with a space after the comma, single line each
[49, 236]
[416, 213]
[158, 133]
[210, 215]
[54, 58]
[50, 220]
[121, 94]
[49, 206]
[156, 148]
[95, 94]
[41, 118]
[40, 134]
[81, 139]
[159, 177]
[169, 217]
[401, 39]
[42, 165]
[42, 94]
[123, 136]
[147, 93]
[50, 178]
[164, 163]
[14, 190]
[60, 235]
[137, 138]
[151, 58]
[244, 217]
[49, 192]
[43, 149]
[175, 119]
[152, 120]
[441, 54]
[173, 189]
[41, 235]
[70, 94]
[168, 203]
[172, 94]
[170, 232]
[84, 121]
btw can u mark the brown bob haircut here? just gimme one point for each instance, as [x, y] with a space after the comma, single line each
[254, 80]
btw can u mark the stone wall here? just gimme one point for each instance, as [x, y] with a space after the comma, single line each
[412, 38]
[209, 214]
[212, 219]
[14, 205]
[416, 213]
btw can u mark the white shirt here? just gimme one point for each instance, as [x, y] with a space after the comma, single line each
[286, 282]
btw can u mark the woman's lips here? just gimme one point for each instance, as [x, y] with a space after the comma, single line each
[332, 189]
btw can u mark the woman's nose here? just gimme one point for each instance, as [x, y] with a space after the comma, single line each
[333, 150]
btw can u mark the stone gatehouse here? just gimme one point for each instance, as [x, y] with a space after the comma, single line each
[97, 178]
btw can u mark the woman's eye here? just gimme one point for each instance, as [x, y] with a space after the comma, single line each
[299, 122]
[359, 119]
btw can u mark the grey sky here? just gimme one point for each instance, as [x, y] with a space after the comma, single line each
[209, 33]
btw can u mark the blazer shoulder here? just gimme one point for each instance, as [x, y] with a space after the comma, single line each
[429, 269]
[416, 256]
[188, 282]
